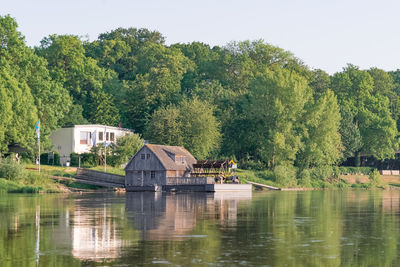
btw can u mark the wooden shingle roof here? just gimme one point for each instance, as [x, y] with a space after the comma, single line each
[166, 153]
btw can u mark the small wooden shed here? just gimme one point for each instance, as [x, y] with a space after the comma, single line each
[152, 164]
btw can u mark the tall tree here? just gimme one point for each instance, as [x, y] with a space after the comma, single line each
[273, 111]
[321, 138]
[191, 124]
[21, 118]
[384, 85]
[29, 72]
[119, 49]
[158, 87]
[355, 91]
[80, 75]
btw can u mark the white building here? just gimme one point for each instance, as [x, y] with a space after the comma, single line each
[81, 138]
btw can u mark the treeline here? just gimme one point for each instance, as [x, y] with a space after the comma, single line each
[248, 100]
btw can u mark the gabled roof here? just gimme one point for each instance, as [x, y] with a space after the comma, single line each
[162, 153]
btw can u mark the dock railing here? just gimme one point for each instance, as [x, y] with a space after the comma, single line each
[189, 180]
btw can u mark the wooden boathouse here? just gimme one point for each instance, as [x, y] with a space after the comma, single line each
[173, 168]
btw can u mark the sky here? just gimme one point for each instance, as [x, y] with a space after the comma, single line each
[324, 34]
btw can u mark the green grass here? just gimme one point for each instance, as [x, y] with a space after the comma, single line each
[261, 177]
[30, 184]
[53, 170]
[113, 170]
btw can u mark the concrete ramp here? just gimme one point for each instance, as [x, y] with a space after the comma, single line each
[100, 178]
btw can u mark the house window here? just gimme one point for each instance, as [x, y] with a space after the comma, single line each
[100, 136]
[142, 156]
[147, 156]
[84, 138]
[152, 174]
[112, 137]
[107, 136]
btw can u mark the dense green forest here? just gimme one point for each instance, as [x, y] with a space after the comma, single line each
[248, 100]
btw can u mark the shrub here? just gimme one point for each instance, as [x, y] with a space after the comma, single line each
[356, 170]
[252, 165]
[87, 159]
[321, 173]
[74, 159]
[266, 174]
[44, 159]
[126, 148]
[11, 170]
[305, 178]
[285, 175]
[375, 178]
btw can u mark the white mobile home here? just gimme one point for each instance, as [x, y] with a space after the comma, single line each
[81, 138]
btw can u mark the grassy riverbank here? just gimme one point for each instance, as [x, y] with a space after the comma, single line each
[349, 180]
[15, 178]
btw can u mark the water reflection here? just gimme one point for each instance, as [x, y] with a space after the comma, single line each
[88, 229]
[166, 216]
[322, 228]
[94, 233]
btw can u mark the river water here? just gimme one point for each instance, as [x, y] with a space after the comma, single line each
[319, 228]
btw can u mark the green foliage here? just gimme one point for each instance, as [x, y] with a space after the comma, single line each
[44, 159]
[262, 177]
[101, 108]
[321, 138]
[285, 176]
[252, 165]
[14, 178]
[126, 147]
[11, 170]
[305, 178]
[375, 178]
[191, 124]
[356, 170]
[321, 173]
[31, 91]
[249, 99]
[370, 111]
[81, 77]
[87, 160]
[273, 113]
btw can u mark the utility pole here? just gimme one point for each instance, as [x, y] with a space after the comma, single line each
[39, 152]
[37, 127]
[105, 148]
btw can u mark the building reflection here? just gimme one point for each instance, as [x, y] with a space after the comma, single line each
[90, 229]
[169, 216]
[94, 234]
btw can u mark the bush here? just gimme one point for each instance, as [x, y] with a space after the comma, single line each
[266, 174]
[11, 170]
[356, 170]
[321, 173]
[126, 148]
[305, 178]
[44, 159]
[375, 178]
[252, 165]
[88, 160]
[285, 175]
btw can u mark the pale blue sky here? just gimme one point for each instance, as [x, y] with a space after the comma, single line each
[324, 34]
